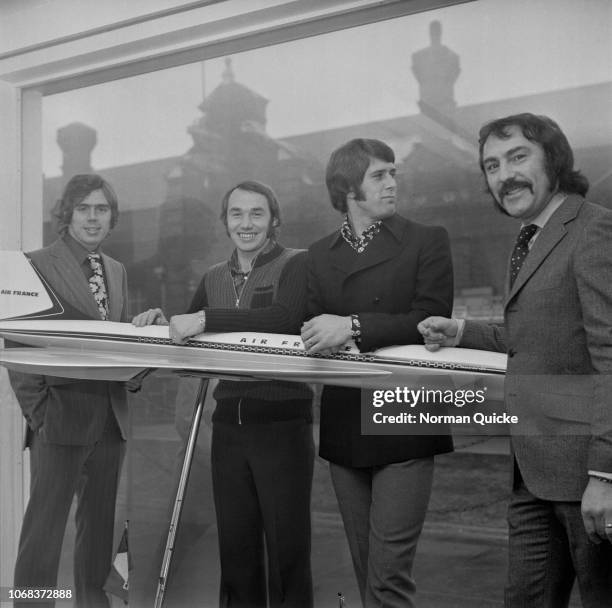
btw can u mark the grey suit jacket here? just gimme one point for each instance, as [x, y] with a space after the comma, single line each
[558, 336]
[65, 411]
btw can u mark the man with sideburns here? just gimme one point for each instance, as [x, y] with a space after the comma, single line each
[557, 332]
[373, 281]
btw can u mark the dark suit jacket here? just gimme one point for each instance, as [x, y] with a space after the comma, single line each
[558, 335]
[404, 275]
[73, 412]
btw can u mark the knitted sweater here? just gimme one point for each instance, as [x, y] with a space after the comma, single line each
[272, 300]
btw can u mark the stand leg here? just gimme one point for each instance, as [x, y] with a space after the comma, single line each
[180, 493]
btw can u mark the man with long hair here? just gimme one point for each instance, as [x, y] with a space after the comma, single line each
[76, 428]
[557, 332]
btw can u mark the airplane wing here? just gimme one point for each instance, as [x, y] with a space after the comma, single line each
[66, 363]
[119, 365]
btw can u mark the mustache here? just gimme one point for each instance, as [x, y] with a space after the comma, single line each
[512, 183]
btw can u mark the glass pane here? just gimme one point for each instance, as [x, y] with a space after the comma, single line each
[173, 141]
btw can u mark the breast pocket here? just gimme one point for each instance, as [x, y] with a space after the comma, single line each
[262, 296]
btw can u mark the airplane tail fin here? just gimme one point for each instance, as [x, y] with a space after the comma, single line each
[24, 292]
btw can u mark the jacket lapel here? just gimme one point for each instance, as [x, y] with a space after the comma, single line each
[552, 233]
[384, 246]
[70, 280]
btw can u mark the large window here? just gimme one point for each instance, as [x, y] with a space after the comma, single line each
[172, 141]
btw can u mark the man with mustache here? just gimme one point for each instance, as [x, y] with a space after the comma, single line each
[557, 332]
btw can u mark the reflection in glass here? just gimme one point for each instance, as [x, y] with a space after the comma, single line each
[173, 141]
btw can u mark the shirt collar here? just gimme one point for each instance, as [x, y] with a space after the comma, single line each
[393, 225]
[268, 252]
[542, 218]
[359, 242]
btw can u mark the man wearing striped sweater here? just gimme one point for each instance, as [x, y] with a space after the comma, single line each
[262, 446]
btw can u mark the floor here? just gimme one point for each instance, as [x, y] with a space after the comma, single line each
[458, 564]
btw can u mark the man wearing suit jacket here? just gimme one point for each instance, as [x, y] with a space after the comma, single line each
[373, 281]
[558, 335]
[76, 429]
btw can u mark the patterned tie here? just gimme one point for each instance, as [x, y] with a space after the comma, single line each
[97, 284]
[521, 249]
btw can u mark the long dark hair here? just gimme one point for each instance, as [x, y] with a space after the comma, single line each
[77, 190]
[559, 158]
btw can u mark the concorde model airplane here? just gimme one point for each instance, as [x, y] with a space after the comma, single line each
[30, 315]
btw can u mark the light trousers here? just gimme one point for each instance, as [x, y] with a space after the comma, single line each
[383, 510]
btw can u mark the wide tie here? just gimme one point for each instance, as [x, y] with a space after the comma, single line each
[521, 249]
[97, 284]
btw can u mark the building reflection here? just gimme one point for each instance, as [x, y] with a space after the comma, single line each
[169, 233]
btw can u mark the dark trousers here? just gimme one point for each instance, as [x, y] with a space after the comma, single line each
[262, 478]
[383, 509]
[549, 549]
[57, 473]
